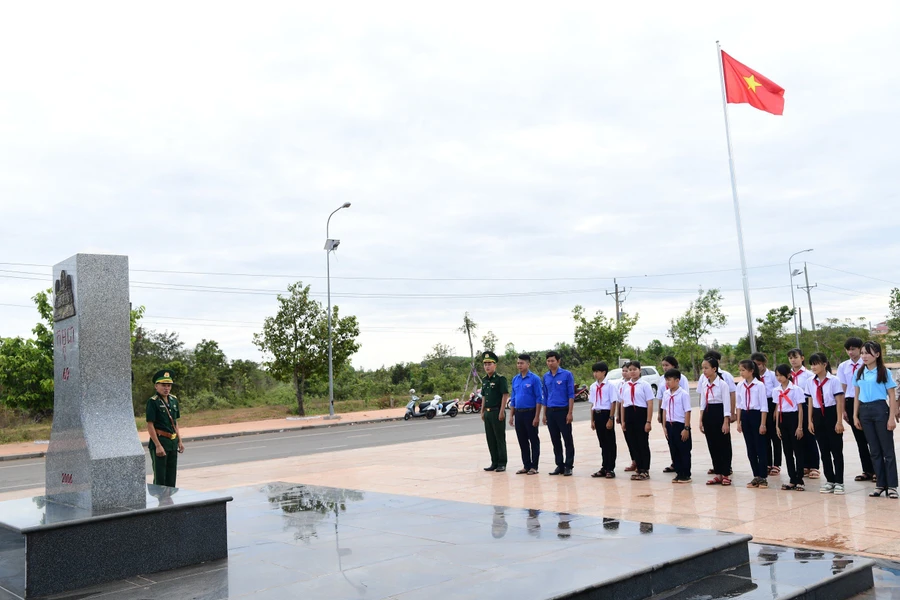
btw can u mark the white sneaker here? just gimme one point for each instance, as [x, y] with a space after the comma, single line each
[839, 489]
[827, 488]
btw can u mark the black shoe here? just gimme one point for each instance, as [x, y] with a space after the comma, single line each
[567, 472]
[558, 471]
[490, 468]
[500, 469]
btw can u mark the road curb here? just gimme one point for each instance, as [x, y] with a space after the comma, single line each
[219, 436]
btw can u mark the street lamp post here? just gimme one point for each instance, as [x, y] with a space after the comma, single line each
[793, 303]
[330, 246]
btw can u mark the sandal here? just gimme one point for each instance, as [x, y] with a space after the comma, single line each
[600, 473]
[774, 470]
[522, 472]
[532, 471]
[799, 488]
[726, 481]
[610, 475]
[863, 477]
[892, 493]
[717, 480]
[877, 492]
[788, 487]
[632, 467]
[643, 476]
[669, 469]
[814, 474]
[635, 476]
[711, 472]
[754, 483]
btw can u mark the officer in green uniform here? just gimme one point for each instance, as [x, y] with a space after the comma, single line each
[495, 391]
[162, 425]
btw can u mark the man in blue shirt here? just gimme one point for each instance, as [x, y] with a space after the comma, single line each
[559, 402]
[525, 413]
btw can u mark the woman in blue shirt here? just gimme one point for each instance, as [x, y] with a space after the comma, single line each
[875, 412]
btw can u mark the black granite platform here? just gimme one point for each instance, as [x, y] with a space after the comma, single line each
[291, 541]
[47, 547]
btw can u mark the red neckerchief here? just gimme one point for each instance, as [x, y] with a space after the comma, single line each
[820, 394]
[748, 388]
[783, 395]
[632, 384]
[600, 391]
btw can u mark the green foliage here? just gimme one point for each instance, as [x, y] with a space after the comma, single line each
[893, 321]
[26, 366]
[296, 339]
[601, 338]
[489, 341]
[702, 316]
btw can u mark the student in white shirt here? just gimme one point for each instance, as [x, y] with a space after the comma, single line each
[637, 419]
[604, 401]
[668, 363]
[729, 379]
[800, 376]
[715, 420]
[677, 406]
[826, 422]
[788, 401]
[846, 374]
[626, 377]
[752, 407]
[773, 443]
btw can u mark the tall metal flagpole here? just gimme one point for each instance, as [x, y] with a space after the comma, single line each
[737, 206]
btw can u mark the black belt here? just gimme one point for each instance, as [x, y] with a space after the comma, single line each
[523, 409]
[557, 408]
[490, 409]
[601, 410]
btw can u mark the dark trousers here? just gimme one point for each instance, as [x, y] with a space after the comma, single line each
[662, 419]
[165, 468]
[756, 443]
[495, 432]
[606, 437]
[635, 420]
[811, 452]
[830, 443]
[774, 444]
[680, 450]
[719, 443]
[561, 432]
[794, 449]
[529, 440]
[873, 416]
[865, 458]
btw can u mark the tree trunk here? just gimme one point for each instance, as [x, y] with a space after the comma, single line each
[298, 389]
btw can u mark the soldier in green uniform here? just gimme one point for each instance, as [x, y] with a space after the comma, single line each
[162, 425]
[495, 391]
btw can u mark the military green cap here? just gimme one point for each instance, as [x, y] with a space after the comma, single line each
[163, 377]
[488, 356]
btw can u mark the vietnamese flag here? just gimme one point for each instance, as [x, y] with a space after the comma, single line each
[743, 85]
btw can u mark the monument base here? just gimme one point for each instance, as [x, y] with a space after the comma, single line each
[47, 547]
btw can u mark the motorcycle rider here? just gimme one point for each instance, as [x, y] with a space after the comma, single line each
[495, 391]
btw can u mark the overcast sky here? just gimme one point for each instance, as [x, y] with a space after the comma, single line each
[506, 159]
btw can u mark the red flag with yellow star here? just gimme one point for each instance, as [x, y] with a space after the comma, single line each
[743, 85]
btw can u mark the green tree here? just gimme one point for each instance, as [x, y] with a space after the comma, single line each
[702, 316]
[770, 334]
[440, 353]
[601, 337]
[893, 321]
[26, 366]
[296, 339]
[489, 341]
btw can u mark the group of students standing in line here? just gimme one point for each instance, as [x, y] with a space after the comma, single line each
[790, 412]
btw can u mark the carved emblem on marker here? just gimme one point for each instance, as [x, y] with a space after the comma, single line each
[64, 302]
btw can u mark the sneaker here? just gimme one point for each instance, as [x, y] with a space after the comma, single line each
[839, 489]
[763, 483]
[827, 488]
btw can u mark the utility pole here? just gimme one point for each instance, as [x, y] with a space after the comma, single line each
[808, 287]
[616, 294]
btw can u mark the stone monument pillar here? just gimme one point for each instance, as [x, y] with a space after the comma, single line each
[95, 460]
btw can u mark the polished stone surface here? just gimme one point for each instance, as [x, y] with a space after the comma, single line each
[288, 541]
[95, 459]
[47, 548]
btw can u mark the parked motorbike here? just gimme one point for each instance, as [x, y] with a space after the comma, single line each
[581, 394]
[449, 408]
[473, 404]
[429, 408]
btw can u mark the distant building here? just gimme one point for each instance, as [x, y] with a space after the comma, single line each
[881, 329]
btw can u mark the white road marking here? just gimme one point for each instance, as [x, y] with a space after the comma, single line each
[25, 465]
[350, 437]
[250, 448]
[206, 462]
[332, 447]
[27, 485]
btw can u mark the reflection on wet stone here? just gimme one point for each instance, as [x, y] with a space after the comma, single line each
[610, 524]
[532, 523]
[499, 526]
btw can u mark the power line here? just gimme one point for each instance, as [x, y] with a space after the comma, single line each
[856, 274]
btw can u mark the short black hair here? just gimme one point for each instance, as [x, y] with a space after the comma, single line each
[673, 374]
[635, 363]
[713, 354]
[553, 354]
[795, 352]
[853, 342]
[759, 357]
[526, 357]
[600, 366]
[671, 360]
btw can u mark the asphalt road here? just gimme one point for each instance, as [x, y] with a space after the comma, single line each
[29, 473]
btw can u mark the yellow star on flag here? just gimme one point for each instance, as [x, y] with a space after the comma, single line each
[752, 83]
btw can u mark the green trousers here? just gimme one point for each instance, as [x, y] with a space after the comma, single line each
[495, 432]
[165, 468]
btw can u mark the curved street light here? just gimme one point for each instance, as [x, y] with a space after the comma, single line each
[330, 246]
[793, 303]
